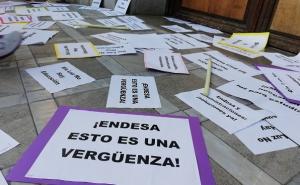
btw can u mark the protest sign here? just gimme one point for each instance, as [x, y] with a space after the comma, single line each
[265, 96]
[180, 41]
[128, 149]
[76, 50]
[162, 61]
[285, 81]
[40, 25]
[229, 114]
[199, 27]
[262, 137]
[280, 60]
[74, 23]
[96, 3]
[201, 37]
[34, 36]
[122, 6]
[57, 77]
[65, 16]
[58, 9]
[118, 49]
[177, 29]
[111, 22]
[133, 92]
[10, 18]
[223, 66]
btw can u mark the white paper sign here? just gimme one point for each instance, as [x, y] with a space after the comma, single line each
[57, 77]
[199, 27]
[6, 143]
[22, 10]
[111, 22]
[280, 60]
[137, 26]
[96, 3]
[58, 9]
[122, 6]
[133, 92]
[262, 138]
[146, 41]
[144, 50]
[2, 179]
[74, 23]
[118, 49]
[177, 29]
[229, 114]
[111, 13]
[135, 142]
[8, 28]
[64, 16]
[265, 96]
[112, 37]
[201, 37]
[286, 82]
[76, 50]
[168, 62]
[40, 25]
[179, 21]
[10, 18]
[222, 66]
[130, 18]
[236, 50]
[180, 41]
[33, 36]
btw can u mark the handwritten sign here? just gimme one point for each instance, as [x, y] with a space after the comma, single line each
[57, 77]
[128, 149]
[96, 3]
[122, 6]
[118, 49]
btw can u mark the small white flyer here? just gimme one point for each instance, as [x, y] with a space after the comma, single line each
[76, 50]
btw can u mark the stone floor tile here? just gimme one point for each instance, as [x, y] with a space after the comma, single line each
[8, 101]
[17, 122]
[42, 111]
[38, 95]
[113, 66]
[10, 82]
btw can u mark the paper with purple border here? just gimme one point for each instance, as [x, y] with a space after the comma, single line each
[18, 173]
[278, 88]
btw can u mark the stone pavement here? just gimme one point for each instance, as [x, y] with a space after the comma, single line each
[25, 107]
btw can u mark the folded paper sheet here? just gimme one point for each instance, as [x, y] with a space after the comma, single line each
[280, 60]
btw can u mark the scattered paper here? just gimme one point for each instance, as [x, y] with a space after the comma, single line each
[133, 92]
[265, 96]
[118, 49]
[179, 21]
[33, 36]
[280, 60]
[76, 50]
[23, 10]
[125, 148]
[177, 29]
[216, 43]
[111, 22]
[229, 114]
[180, 41]
[201, 37]
[6, 142]
[94, 8]
[151, 40]
[57, 77]
[2, 179]
[122, 6]
[58, 9]
[285, 81]
[112, 37]
[223, 66]
[168, 62]
[40, 25]
[130, 19]
[74, 23]
[199, 27]
[96, 3]
[262, 138]
[137, 26]
[111, 13]
[11, 3]
[8, 28]
[10, 18]
[144, 50]
[64, 16]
